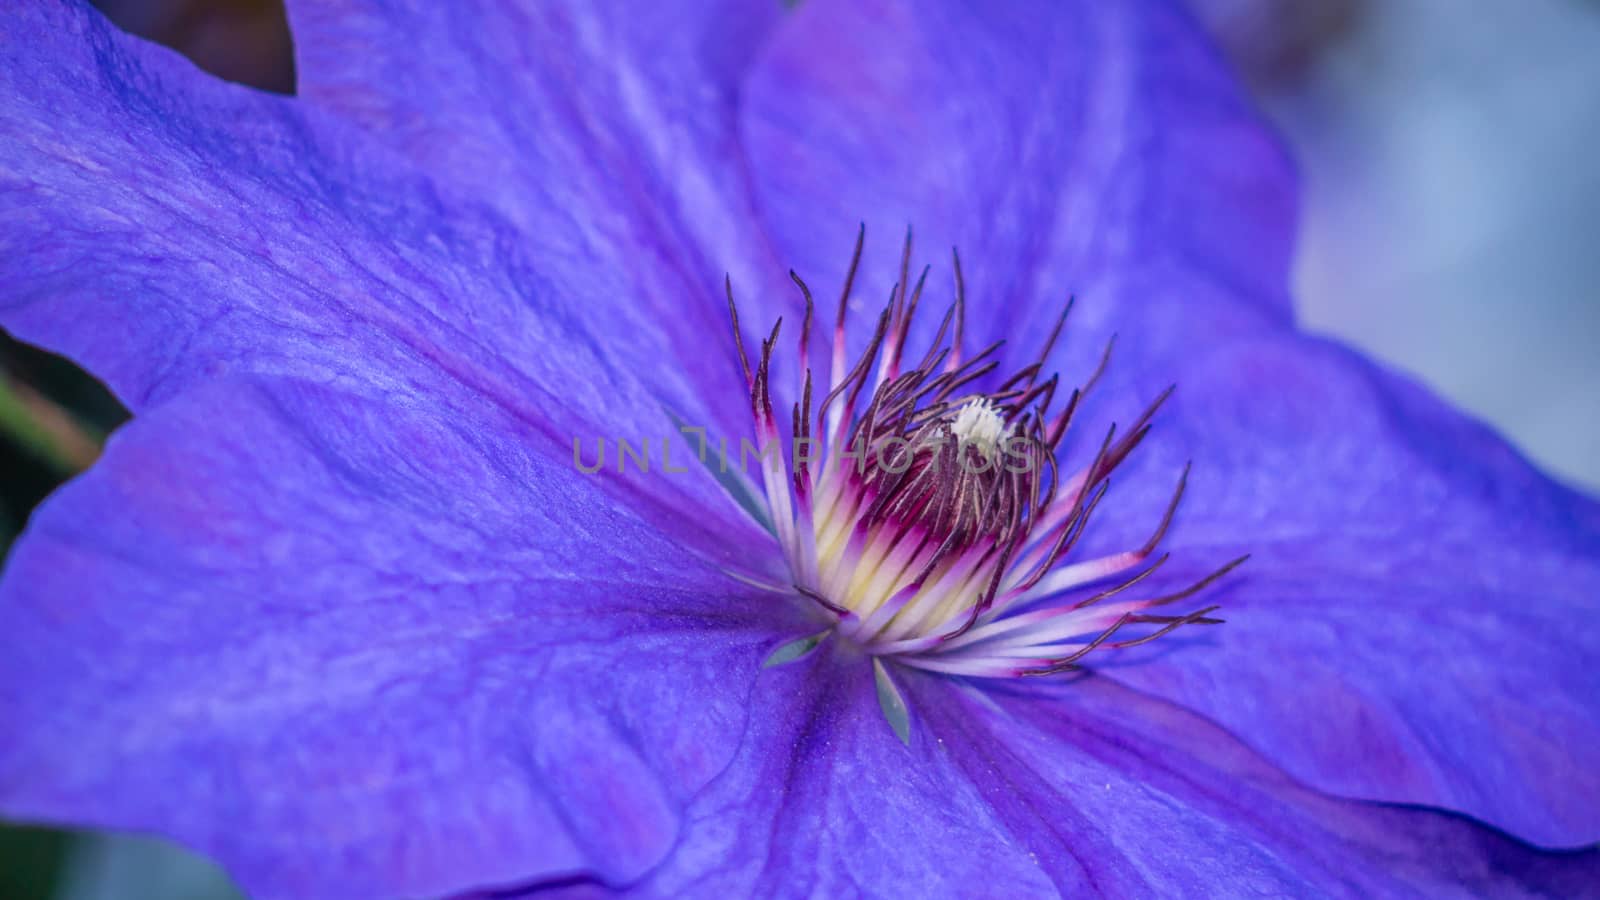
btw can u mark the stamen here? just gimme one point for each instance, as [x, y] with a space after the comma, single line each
[927, 524]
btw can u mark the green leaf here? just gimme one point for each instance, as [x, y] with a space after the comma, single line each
[892, 704]
[18, 423]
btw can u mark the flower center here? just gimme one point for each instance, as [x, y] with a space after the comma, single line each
[926, 518]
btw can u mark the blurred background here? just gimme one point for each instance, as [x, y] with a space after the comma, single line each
[1450, 228]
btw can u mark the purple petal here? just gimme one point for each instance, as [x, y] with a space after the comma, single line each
[1079, 788]
[1062, 147]
[1101, 149]
[612, 125]
[357, 647]
[167, 228]
[1415, 622]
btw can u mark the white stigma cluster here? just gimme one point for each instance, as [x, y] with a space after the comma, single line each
[979, 425]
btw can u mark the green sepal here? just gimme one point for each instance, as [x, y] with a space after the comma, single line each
[795, 649]
[892, 704]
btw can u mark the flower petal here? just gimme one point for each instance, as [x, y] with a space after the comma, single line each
[1101, 149]
[1414, 623]
[1063, 147]
[166, 228]
[354, 646]
[610, 123]
[1072, 789]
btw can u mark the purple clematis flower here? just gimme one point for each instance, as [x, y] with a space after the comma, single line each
[339, 609]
